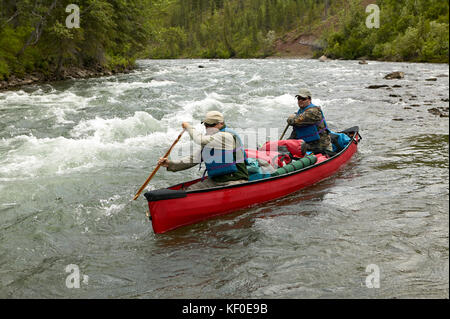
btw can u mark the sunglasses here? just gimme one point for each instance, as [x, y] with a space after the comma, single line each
[301, 98]
[209, 125]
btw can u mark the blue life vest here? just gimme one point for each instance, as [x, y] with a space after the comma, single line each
[222, 162]
[310, 133]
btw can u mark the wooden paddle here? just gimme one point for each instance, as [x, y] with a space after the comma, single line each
[156, 168]
[284, 132]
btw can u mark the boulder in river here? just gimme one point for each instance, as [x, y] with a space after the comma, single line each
[377, 86]
[440, 111]
[363, 62]
[431, 79]
[395, 75]
[323, 58]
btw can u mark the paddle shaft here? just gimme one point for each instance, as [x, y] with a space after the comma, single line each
[157, 167]
[284, 132]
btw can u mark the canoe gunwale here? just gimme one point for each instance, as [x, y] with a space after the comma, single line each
[354, 130]
[195, 206]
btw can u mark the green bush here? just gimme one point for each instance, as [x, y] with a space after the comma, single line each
[4, 70]
[409, 44]
[436, 45]
[414, 30]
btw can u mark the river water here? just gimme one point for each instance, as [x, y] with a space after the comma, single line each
[73, 154]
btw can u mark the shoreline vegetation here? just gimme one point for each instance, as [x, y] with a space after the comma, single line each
[70, 73]
[37, 46]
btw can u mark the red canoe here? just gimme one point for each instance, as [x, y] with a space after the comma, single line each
[173, 207]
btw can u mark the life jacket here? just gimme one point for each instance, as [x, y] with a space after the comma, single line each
[223, 162]
[310, 133]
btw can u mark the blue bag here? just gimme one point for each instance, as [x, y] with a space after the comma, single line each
[253, 166]
[339, 140]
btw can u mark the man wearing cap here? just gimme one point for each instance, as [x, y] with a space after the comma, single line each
[309, 125]
[222, 152]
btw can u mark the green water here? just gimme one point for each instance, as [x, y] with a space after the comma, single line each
[73, 154]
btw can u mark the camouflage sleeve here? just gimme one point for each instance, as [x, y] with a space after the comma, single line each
[309, 117]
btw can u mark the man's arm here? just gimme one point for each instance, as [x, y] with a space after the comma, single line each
[182, 164]
[309, 117]
[198, 137]
[220, 140]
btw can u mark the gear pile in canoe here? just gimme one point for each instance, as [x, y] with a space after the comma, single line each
[289, 171]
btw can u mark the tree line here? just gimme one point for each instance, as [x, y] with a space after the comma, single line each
[409, 30]
[234, 28]
[114, 33]
[34, 36]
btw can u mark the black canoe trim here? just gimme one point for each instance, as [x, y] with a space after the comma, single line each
[354, 130]
[161, 194]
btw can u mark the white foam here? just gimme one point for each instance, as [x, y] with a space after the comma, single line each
[54, 98]
[155, 83]
[119, 88]
[53, 104]
[8, 205]
[335, 102]
[255, 78]
[197, 109]
[94, 143]
[60, 115]
[47, 155]
[275, 101]
[111, 209]
[322, 84]
[116, 129]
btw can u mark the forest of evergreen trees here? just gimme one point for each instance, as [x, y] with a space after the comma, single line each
[113, 33]
[410, 30]
[235, 28]
[34, 36]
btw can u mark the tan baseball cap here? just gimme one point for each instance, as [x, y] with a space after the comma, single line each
[303, 92]
[213, 117]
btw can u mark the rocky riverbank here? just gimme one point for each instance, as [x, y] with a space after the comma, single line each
[437, 106]
[69, 73]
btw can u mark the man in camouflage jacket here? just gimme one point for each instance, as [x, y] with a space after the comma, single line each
[310, 115]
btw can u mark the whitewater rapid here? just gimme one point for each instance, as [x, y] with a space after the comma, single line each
[74, 153]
